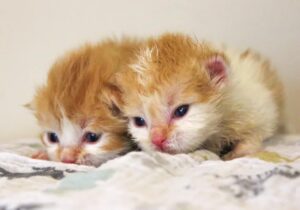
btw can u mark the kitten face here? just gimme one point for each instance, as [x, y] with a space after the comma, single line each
[83, 141]
[171, 93]
[76, 108]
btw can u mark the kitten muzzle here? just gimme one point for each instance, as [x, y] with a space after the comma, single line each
[69, 155]
[159, 138]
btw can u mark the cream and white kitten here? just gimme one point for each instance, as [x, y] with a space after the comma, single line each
[181, 95]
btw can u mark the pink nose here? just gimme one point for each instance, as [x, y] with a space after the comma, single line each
[159, 140]
[69, 155]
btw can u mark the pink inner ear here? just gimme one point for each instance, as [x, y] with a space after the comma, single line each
[217, 69]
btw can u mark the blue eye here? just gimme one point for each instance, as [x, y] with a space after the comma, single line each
[181, 111]
[91, 137]
[52, 137]
[139, 122]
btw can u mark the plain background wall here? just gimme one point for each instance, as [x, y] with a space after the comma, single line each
[33, 33]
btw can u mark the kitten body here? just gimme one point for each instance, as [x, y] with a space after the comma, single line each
[181, 95]
[76, 107]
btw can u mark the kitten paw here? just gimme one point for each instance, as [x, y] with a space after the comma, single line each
[41, 155]
[202, 155]
[242, 149]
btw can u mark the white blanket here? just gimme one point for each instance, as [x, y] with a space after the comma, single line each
[139, 181]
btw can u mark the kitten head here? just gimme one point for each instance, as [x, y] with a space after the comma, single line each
[76, 108]
[171, 93]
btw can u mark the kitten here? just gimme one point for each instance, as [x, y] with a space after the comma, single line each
[76, 108]
[181, 95]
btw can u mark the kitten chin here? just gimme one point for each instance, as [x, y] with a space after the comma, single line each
[180, 95]
[77, 108]
[98, 159]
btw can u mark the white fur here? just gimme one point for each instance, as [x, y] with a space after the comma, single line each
[142, 64]
[95, 156]
[95, 148]
[51, 148]
[143, 60]
[248, 94]
[194, 128]
[141, 135]
[70, 133]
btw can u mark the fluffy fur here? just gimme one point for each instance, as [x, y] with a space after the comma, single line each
[233, 98]
[79, 98]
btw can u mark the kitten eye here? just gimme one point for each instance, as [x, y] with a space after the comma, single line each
[139, 121]
[52, 137]
[181, 111]
[91, 137]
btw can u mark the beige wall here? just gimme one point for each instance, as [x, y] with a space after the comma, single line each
[34, 32]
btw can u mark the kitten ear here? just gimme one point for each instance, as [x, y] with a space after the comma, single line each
[217, 69]
[113, 98]
[30, 106]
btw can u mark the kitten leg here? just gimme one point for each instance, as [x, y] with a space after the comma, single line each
[243, 148]
[41, 155]
[202, 155]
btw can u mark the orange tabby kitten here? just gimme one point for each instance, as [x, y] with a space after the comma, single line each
[76, 108]
[181, 95]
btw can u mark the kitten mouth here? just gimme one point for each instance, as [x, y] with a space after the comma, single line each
[165, 148]
[160, 148]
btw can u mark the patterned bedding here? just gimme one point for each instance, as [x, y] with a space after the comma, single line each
[139, 181]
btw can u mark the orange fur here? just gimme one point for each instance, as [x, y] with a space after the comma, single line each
[172, 70]
[79, 89]
[174, 66]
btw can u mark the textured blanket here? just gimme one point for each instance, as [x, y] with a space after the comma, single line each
[139, 181]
